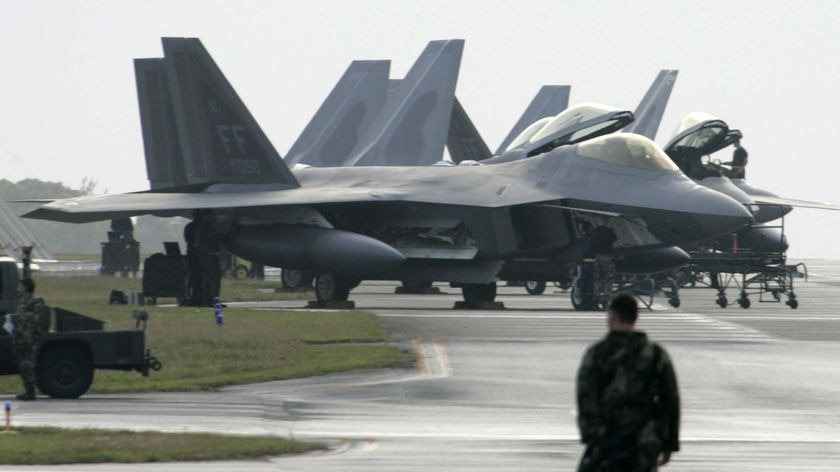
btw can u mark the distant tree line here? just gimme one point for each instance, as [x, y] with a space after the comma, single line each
[68, 238]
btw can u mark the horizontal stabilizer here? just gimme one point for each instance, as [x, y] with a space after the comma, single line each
[220, 140]
[413, 125]
[650, 110]
[334, 131]
[549, 101]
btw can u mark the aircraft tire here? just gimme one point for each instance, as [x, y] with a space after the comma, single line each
[331, 288]
[294, 279]
[535, 287]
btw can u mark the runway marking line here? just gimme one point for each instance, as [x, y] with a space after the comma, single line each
[443, 359]
[436, 353]
[422, 362]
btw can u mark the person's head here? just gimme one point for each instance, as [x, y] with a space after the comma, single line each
[26, 287]
[622, 312]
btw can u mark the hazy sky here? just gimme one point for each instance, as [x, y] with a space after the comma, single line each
[769, 68]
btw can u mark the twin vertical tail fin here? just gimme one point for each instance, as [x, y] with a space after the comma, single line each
[217, 138]
[464, 141]
[549, 101]
[164, 160]
[335, 130]
[412, 127]
[650, 110]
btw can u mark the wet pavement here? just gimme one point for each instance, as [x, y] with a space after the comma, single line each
[495, 389]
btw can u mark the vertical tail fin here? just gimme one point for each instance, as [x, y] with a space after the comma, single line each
[334, 131]
[14, 234]
[220, 140]
[164, 161]
[412, 127]
[464, 141]
[549, 101]
[652, 107]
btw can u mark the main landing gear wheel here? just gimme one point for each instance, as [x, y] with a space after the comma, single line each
[294, 279]
[792, 302]
[674, 302]
[475, 294]
[535, 287]
[332, 288]
[744, 302]
[722, 301]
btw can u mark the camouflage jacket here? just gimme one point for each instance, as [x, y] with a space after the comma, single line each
[612, 397]
[27, 320]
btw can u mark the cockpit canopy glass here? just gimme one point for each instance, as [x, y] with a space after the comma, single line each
[526, 134]
[693, 119]
[627, 149]
[703, 136]
[570, 117]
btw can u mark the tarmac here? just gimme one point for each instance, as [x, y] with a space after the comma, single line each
[494, 389]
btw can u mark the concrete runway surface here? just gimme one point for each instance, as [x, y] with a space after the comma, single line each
[494, 390]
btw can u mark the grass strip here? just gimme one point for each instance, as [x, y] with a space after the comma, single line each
[254, 345]
[37, 445]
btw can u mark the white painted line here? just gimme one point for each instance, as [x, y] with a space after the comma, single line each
[442, 357]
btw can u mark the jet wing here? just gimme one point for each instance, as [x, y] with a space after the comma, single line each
[101, 207]
[765, 200]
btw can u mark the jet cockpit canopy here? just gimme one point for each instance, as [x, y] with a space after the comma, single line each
[698, 134]
[573, 125]
[627, 149]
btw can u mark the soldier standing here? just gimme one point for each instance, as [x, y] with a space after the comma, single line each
[628, 402]
[27, 332]
[739, 161]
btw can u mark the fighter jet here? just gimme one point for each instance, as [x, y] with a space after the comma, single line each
[455, 224]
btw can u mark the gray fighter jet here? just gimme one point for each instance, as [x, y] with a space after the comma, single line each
[457, 224]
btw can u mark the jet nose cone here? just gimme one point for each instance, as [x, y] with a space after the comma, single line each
[723, 215]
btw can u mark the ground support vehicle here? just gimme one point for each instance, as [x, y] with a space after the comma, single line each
[68, 355]
[766, 275]
[759, 268]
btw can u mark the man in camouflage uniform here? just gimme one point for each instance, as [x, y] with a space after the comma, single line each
[27, 332]
[628, 402]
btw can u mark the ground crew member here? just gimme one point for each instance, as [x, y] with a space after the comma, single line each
[628, 403]
[27, 332]
[740, 157]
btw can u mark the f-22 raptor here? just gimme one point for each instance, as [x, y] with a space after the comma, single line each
[453, 224]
